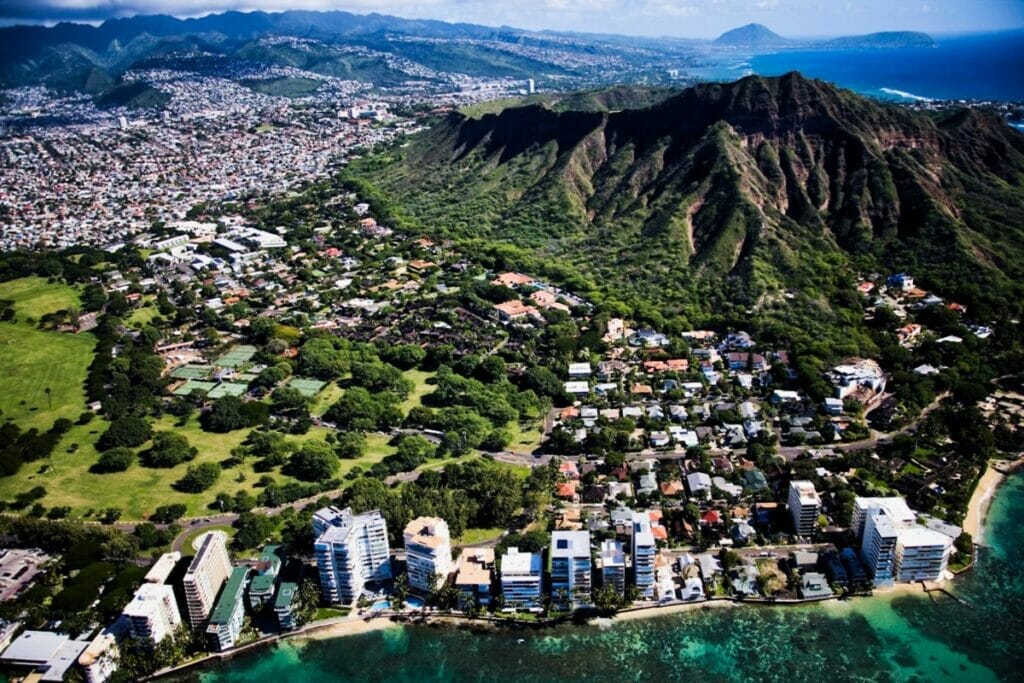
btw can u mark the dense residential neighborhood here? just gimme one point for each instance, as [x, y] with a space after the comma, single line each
[660, 468]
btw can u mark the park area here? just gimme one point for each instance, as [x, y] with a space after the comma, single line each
[44, 372]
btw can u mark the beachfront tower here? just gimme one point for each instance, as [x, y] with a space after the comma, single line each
[571, 568]
[804, 506]
[428, 551]
[205, 577]
[351, 551]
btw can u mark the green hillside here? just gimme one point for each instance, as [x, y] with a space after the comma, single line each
[717, 203]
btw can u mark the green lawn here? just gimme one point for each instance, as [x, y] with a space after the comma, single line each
[323, 613]
[423, 385]
[475, 536]
[143, 315]
[327, 397]
[139, 490]
[34, 297]
[34, 360]
[525, 439]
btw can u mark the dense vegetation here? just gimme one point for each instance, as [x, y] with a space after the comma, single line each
[749, 204]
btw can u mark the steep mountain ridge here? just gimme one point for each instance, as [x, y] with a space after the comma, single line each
[753, 181]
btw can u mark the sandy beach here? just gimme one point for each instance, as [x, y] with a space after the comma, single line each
[347, 627]
[974, 522]
[666, 610]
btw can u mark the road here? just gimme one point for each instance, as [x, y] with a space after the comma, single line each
[875, 438]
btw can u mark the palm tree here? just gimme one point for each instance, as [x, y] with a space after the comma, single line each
[399, 591]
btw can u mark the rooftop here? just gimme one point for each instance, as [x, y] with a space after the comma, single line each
[285, 595]
[163, 567]
[612, 554]
[231, 594]
[570, 544]
[147, 599]
[808, 495]
[431, 532]
[474, 566]
[519, 563]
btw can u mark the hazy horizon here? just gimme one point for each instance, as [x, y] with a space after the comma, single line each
[694, 19]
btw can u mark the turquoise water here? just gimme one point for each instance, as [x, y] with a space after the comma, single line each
[984, 67]
[895, 638]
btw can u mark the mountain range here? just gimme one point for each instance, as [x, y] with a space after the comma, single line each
[755, 188]
[81, 57]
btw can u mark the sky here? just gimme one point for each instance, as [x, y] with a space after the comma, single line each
[680, 18]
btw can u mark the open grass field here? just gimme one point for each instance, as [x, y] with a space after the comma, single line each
[526, 437]
[424, 385]
[139, 490]
[327, 397]
[34, 360]
[34, 297]
[143, 315]
[476, 536]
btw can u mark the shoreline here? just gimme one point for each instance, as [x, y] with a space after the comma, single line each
[984, 494]
[996, 473]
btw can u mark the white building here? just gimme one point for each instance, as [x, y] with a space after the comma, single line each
[100, 659]
[921, 554]
[571, 568]
[578, 370]
[229, 614]
[520, 579]
[857, 374]
[351, 551]
[162, 568]
[152, 614]
[428, 551]
[205, 576]
[171, 242]
[644, 550]
[894, 546]
[804, 506]
[613, 566]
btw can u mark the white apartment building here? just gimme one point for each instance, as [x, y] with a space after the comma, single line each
[894, 546]
[520, 579]
[644, 550]
[351, 551]
[922, 554]
[152, 614]
[571, 568]
[428, 551]
[613, 566]
[99, 661]
[205, 577]
[804, 506]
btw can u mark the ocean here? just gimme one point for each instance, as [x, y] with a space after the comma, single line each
[980, 67]
[885, 638]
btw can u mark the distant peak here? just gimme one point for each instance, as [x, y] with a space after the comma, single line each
[751, 35]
